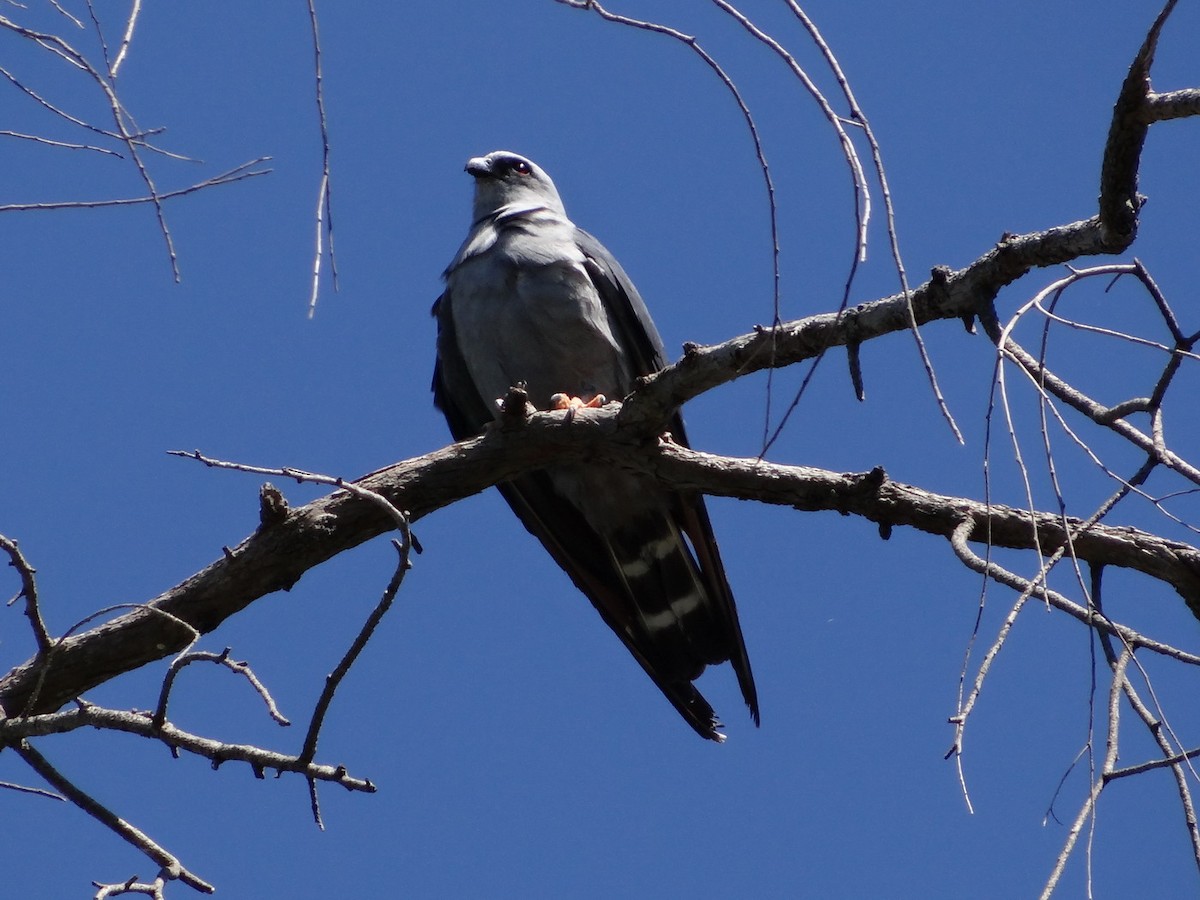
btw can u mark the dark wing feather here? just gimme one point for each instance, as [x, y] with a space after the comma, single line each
[582, 554]
[627, 311]
[640, 339]
[557, 524]
[454, 391]
[585, 555]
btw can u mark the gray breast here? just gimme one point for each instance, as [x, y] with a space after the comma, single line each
[526, 310]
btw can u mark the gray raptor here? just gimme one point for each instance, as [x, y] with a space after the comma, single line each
[531, 299]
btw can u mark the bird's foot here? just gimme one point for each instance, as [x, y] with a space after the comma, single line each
[566, 401]
[574, 404]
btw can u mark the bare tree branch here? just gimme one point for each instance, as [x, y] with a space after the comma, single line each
[1172, 105]
[172, 868]
[221, 659]
[276, 557]
[289, 542]
[324, 219]
[237, 173]
[29, 592]
[12, 731]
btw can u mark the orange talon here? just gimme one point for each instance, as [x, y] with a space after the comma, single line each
[566, 401]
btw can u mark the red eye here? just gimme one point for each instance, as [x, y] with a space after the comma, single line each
[521, 167]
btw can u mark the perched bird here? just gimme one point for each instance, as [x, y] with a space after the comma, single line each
[531, 299]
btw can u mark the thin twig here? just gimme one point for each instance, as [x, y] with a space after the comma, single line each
[171, 867]
[860, 117]
[752, 127]
[29, 591]
[1081, 402]
[1087, 810]
[334, 678]
[46, 104]
[142, 724]
[25, 789]
[127, 38]
[238, 173]
[99, 29]
[64, 50]
[324, 196]
[66, 15]
[1026, 587]
[861, 190]
[64, 144]
[958, 541]
[152, 889]
[221, 659]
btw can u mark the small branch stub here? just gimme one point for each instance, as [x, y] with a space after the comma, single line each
[515, 407]
[272, 506]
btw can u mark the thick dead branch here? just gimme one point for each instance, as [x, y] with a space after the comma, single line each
[1172, 105]
[274, 558]
[1119, 200]
[890, 503]
[964, 295]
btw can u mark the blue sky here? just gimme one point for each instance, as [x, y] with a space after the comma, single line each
[518, 749]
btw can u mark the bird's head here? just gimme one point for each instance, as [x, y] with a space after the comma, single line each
[508, 181]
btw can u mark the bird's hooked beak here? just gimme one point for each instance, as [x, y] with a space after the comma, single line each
[478, 167]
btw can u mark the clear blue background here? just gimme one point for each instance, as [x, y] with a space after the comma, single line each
[518, 750]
